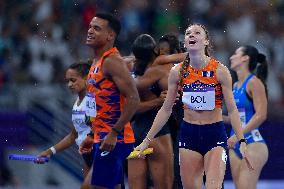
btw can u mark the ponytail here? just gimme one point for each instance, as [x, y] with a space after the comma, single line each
[262, 69]
[182, 72]
[257, 63]
[140, 66]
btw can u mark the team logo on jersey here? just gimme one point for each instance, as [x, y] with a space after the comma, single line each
[91, 81]
[104, 153]
[207, 73]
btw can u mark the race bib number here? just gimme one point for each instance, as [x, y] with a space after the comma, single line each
[256, 135]
[242, 113]
[199, 99]
[91, 105]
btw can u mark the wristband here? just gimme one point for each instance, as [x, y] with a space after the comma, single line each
[242, 140]
[116, 130]
[53, 150]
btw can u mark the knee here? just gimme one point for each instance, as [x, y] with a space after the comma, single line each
[191, 184]
[244, 184]
[213, 184]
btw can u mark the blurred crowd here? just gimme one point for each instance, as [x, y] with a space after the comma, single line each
[40, 38]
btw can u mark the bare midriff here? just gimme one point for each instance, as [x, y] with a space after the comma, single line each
[203, 117]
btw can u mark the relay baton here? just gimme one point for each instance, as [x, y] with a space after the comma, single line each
[135, 153]
[23, 157]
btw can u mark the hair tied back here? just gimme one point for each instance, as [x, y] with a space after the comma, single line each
[261, 58]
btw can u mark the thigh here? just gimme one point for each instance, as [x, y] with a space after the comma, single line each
[161, 162]
[191, 168]
[137, 173]
[258, 154]
[215, 166]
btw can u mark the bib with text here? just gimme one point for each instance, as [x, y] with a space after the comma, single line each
[90, 105]
[199, 98]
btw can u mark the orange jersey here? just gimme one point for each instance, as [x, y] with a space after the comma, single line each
[201, 90]
[109, 102]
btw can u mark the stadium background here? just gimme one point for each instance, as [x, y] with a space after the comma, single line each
[40, 38]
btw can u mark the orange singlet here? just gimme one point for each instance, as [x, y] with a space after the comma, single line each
[109, 102]
[201, 89]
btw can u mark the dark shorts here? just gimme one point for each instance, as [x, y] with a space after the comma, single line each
[108, 166]
[202, 138]
[142, 124]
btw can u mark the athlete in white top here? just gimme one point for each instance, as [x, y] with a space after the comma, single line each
[75, 76]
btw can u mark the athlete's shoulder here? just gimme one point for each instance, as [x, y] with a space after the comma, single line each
[254, 81]
[116, 57]
[221, 67]
[223, 73]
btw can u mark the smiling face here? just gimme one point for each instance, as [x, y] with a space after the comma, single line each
[196, 38]
[75, 82]
[99, 33]
[238, 59]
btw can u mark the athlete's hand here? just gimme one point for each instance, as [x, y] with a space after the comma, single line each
[231, 142]
[109, 142]
[245, 154]
[87, 145]
[47, 153]
[144, 145]
[162, 97]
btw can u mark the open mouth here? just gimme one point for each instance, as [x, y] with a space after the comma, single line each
[90, 37]
[191, 42]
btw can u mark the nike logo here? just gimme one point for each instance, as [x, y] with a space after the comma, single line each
[220, 142]
[104, 153]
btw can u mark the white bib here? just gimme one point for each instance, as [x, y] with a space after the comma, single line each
[199, 98]
[256, 135]
[91, 105]
[78, 119]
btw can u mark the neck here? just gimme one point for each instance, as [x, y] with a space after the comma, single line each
[81, 95]
[98, 52]
[242, 75]
[199, 60]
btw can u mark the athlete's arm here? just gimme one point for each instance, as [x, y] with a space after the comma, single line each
[150, 104]
[63, 144]
[115, 69]
[256, 89]
[165, 111]
[225, 79]
[129, 60]
[167, 59]
[151, 76]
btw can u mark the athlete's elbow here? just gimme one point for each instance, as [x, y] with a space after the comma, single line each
[135, 100]
[261, 117]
